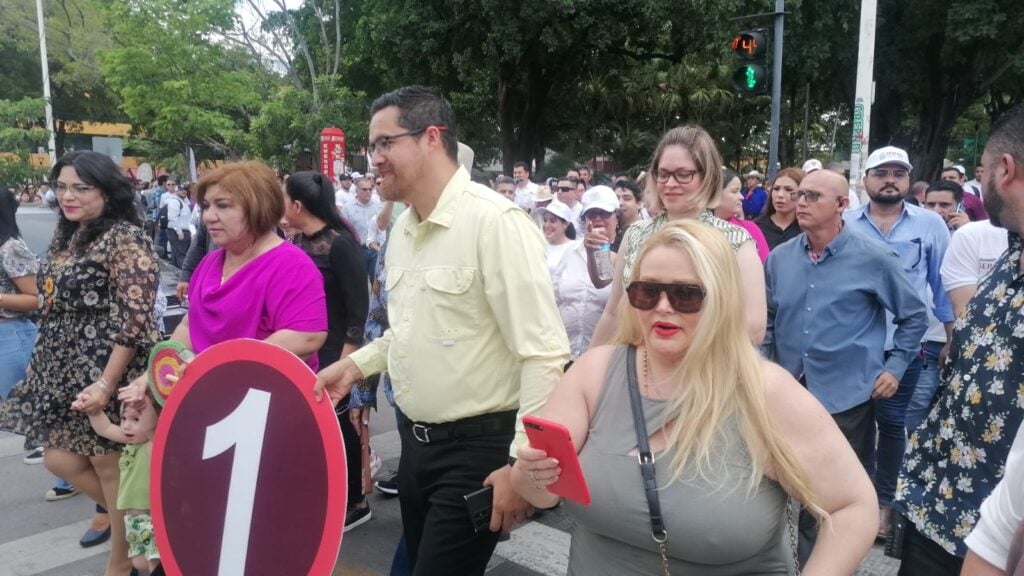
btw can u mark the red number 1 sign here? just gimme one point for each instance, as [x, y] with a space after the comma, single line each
[248, 475]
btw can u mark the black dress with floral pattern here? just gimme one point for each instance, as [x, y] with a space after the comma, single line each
[94, 297]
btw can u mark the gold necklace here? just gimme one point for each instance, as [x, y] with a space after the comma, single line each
[647, 375]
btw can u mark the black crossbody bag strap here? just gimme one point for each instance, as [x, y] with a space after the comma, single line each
[644, 455]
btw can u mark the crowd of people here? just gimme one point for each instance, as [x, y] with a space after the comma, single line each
[759, 376]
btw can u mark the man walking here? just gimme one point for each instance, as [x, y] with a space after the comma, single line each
[475, 338]
[828, 293]
[957, 456]
[920, 237]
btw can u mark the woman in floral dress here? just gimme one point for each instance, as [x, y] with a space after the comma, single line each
[98, 284]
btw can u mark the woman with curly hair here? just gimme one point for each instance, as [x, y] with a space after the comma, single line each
[98, 284]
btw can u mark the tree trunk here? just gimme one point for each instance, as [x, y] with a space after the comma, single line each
[506, 124]
[530, 141]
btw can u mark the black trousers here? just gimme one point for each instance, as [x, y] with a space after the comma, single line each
[923, 557]
[858, 426]
[432, 482]
[353, 453]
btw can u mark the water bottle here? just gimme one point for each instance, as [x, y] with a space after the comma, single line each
[603, 262]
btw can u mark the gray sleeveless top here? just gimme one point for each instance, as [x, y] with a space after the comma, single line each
[716, 526]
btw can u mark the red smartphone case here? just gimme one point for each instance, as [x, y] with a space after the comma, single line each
[555, 439]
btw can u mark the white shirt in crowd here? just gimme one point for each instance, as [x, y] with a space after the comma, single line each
[555, 253]
[579, 303]
[361, 215]
[525, 195]
[972, 252]
[342, 197]
[179, 213]
[1002, 511]
[375, 235]
[577, 219]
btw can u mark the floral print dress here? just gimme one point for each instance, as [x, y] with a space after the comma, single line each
[94, 297]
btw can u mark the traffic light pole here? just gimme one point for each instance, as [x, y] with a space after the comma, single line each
[864, 95]
[773, 143]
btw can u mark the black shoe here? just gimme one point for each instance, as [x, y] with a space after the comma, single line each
[357, 516]
[34, 457]
[389, 485]
[94, 537]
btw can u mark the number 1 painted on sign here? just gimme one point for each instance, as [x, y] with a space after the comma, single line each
[243, 429]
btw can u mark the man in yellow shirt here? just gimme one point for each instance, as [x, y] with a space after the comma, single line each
[475, 343]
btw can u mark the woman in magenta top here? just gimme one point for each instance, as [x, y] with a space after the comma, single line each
[730, 205]
[256, 285]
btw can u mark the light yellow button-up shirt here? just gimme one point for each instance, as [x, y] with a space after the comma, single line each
[474, 326]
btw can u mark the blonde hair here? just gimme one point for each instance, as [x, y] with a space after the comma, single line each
[705, 154]
[720, 379]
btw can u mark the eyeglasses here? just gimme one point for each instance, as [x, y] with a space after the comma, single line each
[75, 189]
[566, 188]
[597, 214]
[383, 144]
[681, 176]
[811, 195]
[897, 173]
[684, 298]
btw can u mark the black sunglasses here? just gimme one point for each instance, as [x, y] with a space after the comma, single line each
[684, 298]
[566, 188]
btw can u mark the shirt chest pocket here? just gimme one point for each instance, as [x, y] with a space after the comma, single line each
[911, 253]
[450, 304]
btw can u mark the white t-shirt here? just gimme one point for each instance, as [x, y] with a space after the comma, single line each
[555, 253]
[1002, 511]
[577, 217]
[972, 252]
[342, 197]
[579, 302]
[525, 195]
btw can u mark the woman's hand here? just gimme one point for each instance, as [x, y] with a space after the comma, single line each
[92, 398]
[533, 466]
[135, 391]
[595, 236]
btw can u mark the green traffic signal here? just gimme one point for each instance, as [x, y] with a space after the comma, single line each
[750, 78]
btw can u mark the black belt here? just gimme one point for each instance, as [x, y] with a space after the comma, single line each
[472, 427]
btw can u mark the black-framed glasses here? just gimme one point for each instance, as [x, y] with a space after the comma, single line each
[897, 173]
[566, 188]
[76, 189]
[684, 298]
[680, 176]
[383, 144]
[596, 214]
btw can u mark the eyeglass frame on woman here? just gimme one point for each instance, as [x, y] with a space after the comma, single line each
[383, 144]
[680, 176]
[676, 293]
[61, 188]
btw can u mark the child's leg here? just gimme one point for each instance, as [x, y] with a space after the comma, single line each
[140, 564]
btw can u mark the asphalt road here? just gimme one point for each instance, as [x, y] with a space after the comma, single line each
[40, 538]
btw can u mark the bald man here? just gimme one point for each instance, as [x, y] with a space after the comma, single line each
[828, 291]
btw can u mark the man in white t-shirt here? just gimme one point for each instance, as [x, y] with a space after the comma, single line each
[972, 252]
[525, 189]
[342, 195]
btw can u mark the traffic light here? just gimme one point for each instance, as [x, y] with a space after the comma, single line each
[751, 50]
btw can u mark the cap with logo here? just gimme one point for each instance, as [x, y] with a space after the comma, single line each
[888, 155]
[811, 165]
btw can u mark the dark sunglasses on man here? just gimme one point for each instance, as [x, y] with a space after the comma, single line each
[684, 298]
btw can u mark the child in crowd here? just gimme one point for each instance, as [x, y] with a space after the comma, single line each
[138, 424]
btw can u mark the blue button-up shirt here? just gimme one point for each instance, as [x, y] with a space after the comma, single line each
[827, 322]
[920, 237]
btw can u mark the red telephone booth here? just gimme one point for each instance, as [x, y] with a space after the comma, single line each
[332, 152]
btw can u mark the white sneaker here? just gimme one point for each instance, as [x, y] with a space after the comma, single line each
[375, 463]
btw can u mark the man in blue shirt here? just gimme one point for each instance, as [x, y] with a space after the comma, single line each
[754, 196]
[828, 292]
[920, 237]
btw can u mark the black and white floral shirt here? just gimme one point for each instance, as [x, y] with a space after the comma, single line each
[956, 457]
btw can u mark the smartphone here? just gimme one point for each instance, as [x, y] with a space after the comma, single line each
[479, 505]
[960, 207]
[555, 439]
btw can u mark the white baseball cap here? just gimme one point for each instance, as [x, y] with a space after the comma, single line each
[888, 155]
[601, 198]
[811, 165]
[556, 208]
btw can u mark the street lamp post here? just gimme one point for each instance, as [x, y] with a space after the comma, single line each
[45, 65]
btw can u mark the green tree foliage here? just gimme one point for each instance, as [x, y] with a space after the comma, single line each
[177, 84]
[21, 131]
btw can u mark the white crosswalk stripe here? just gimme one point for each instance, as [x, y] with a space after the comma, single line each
[46, 550]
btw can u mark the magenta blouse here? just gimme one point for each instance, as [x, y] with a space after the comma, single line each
[280, 289]
[756, 234]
